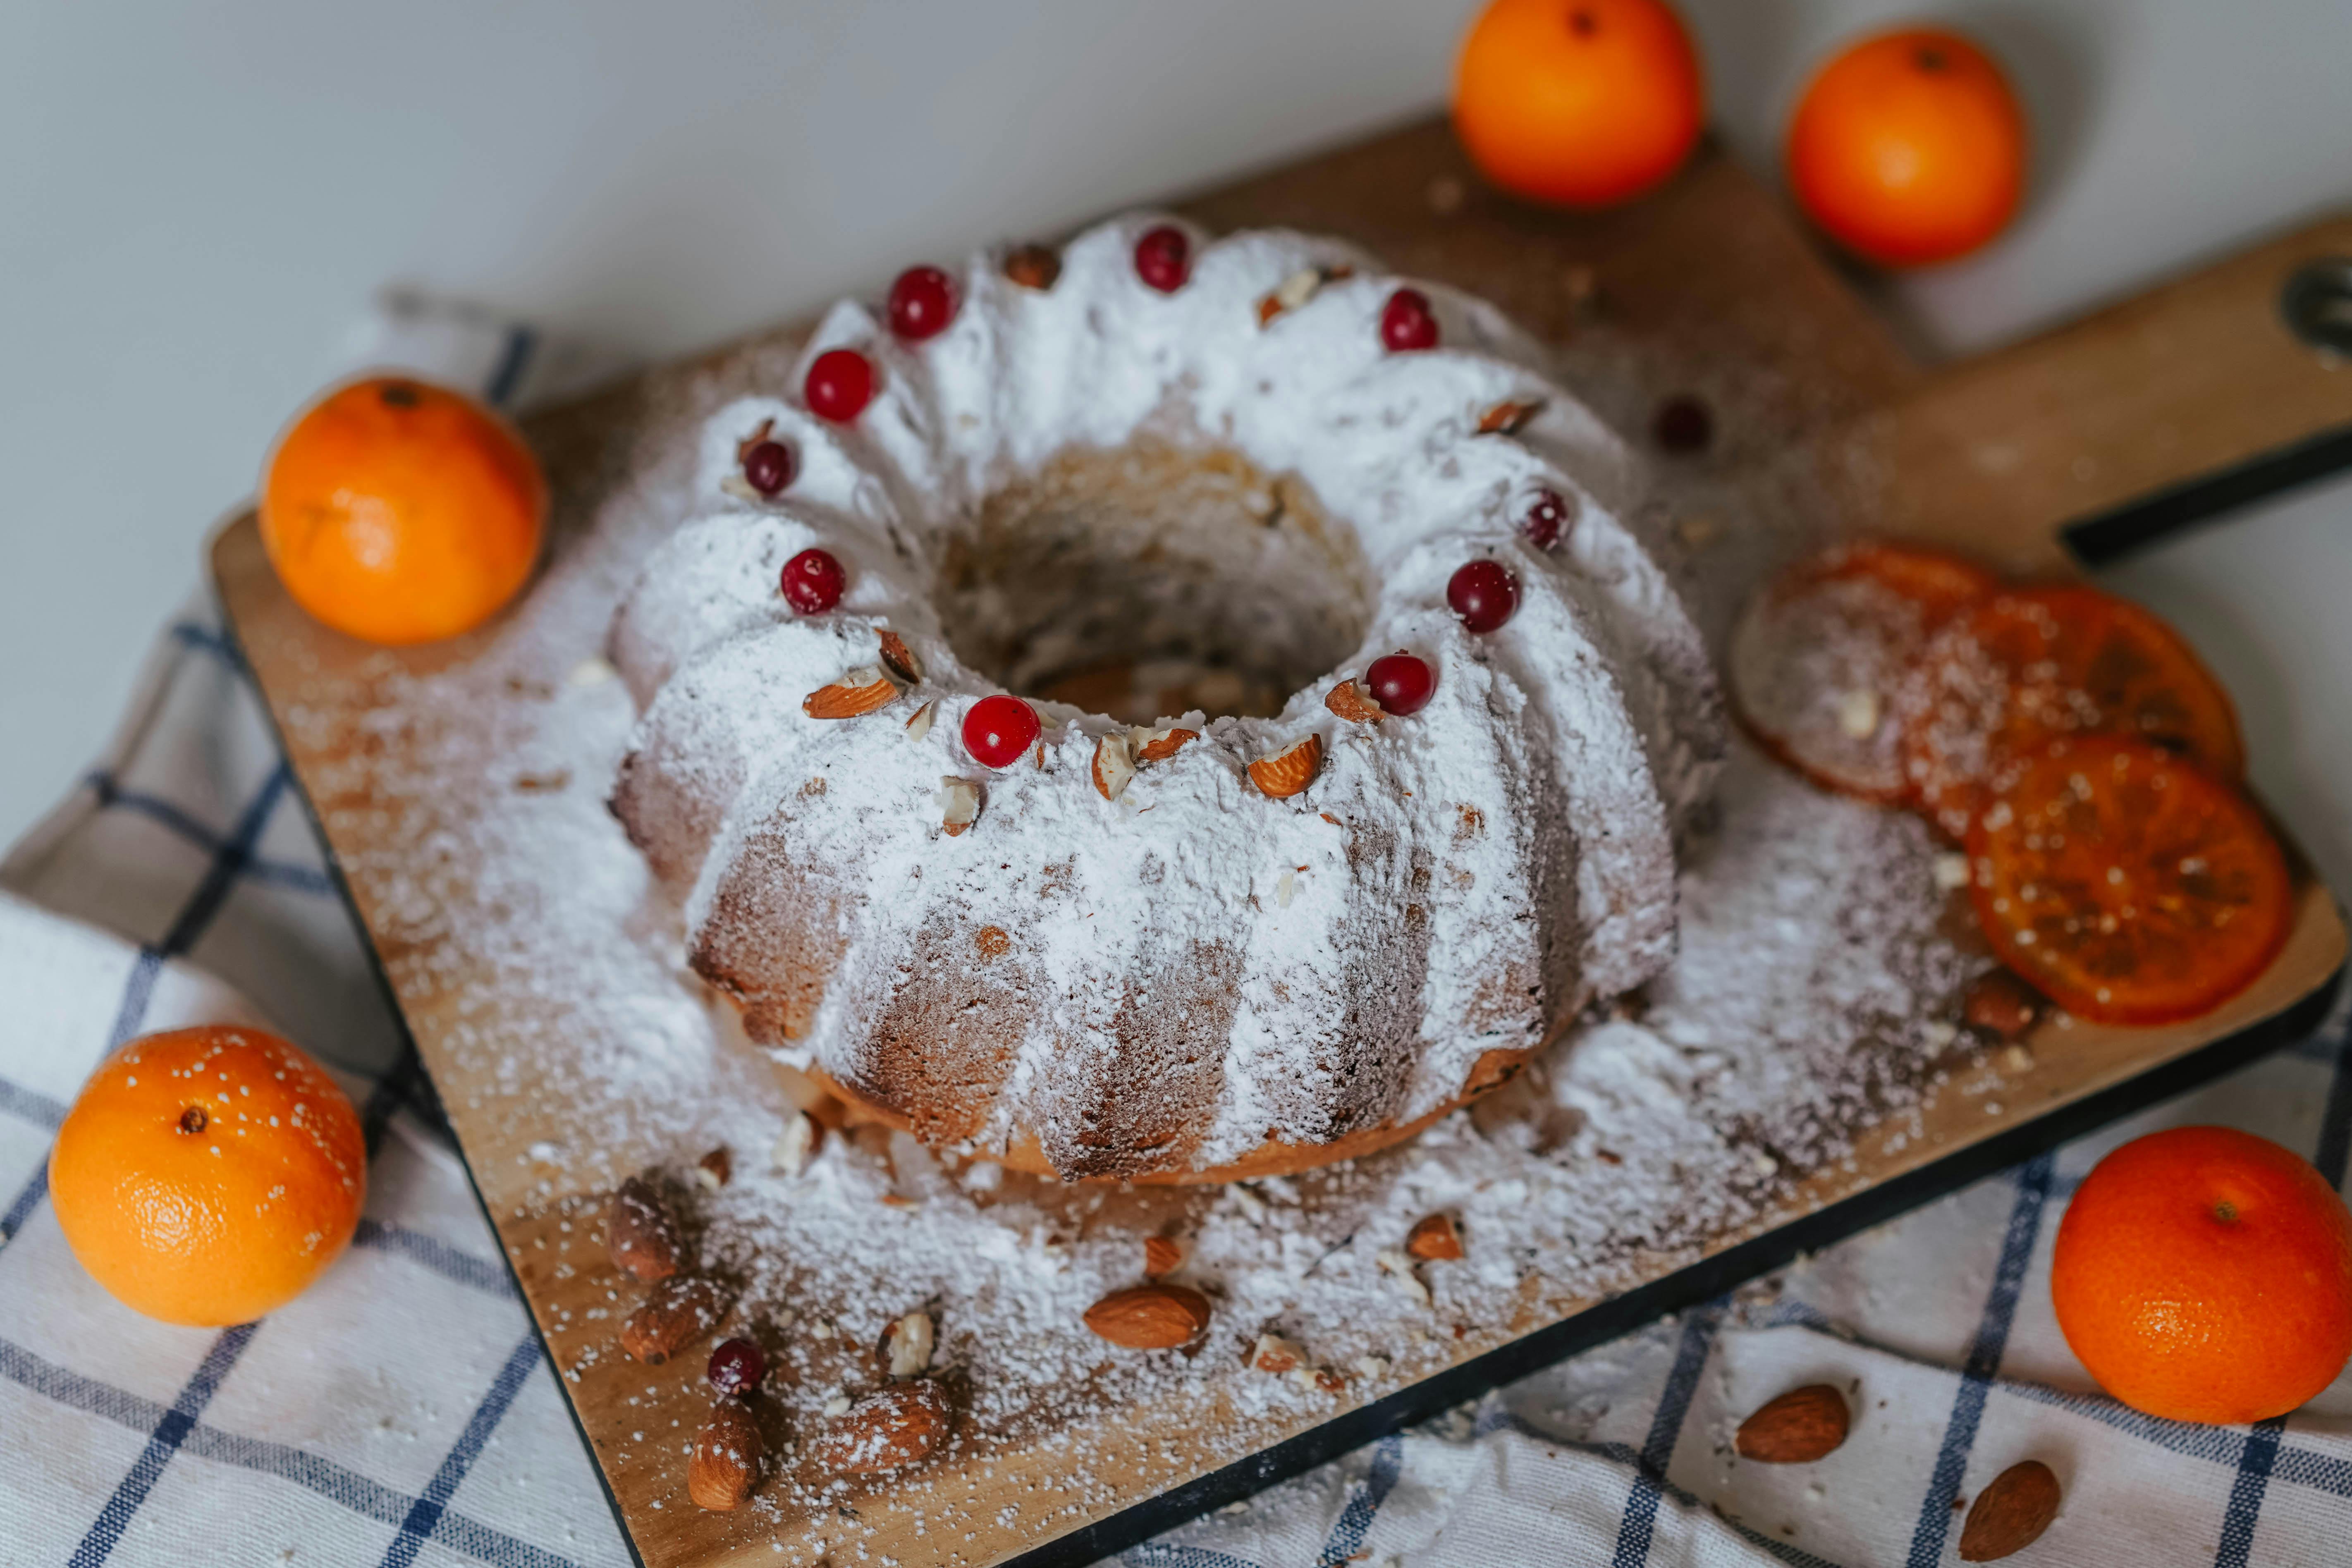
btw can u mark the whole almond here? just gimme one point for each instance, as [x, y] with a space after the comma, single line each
[681, 1311]
[725, 1464]
[1801, 1425]
[2001, 1005]
[640, 1229]
[884, 1431]
[2011, 1514]
[860, 691]
[1350, 701]
[1288, 772]
[1161, 1255]
[1153, 1317]
[1435, 1239]
[716, 1169]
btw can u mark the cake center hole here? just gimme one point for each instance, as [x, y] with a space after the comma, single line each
[1151, 580]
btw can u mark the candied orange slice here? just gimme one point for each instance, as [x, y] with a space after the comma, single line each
[1819, 656]
[2129, 886]
[2027, 665]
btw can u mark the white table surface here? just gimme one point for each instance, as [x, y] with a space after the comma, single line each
[196, 199]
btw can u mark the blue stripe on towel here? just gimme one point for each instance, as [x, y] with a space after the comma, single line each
[368, 1498]
[1984, 1361]
[1355, 1520]
[426, 1514]
[163, 1442]
[1640, 1523]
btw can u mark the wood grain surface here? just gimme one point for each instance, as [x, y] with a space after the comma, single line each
[1708, 287]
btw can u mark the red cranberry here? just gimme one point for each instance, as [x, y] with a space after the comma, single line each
[1683, 424]
[813, 581]
[840, 385]
[1407, 322]
[1484, 593]
[1401, 683]
[1163, 258]
[768, 466]
[1000, 730]
[1546, 520]
[923, 303]
[737, 1366]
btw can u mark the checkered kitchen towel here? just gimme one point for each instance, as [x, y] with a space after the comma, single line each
[402, 1412]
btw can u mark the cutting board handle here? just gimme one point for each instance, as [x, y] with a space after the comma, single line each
[2077, 444]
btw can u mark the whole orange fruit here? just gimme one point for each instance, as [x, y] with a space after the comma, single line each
[207, 1176]
[1909, 148]
[1582, 103]
[2204, 1274]
[400, 511]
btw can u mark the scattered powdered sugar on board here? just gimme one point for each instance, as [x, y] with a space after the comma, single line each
[574, 1048]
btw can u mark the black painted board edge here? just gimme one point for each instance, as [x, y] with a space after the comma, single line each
[1700, 1282]
[2103, 538]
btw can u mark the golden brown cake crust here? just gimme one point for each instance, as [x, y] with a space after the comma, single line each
[1273, 1158]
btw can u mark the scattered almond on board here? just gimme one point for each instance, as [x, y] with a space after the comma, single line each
[680, 1310]
[725, 1464]
[1435, 1239]
[2001, 1005]
[1155, 1317]
[886, 1430]
[641, 1231]
[1801, 1425]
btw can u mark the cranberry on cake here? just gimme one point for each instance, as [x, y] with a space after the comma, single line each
[1221, 746]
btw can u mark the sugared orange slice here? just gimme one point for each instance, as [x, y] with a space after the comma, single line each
[1819, 656]
[2029, 666]
[2129, 886]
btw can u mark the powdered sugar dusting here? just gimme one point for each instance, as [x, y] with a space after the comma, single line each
[545, 972]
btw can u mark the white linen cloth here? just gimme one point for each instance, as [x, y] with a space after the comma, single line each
[403, 1412]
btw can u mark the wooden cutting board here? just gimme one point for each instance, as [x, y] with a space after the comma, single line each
[1707, 287]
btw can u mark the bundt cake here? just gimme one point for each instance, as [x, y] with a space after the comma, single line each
[1164, 709]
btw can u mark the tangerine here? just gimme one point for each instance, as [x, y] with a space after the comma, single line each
[1582, 103]
[1909, 148]
[2204, 1274]
[399, 511]
[205, 1177]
